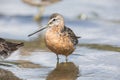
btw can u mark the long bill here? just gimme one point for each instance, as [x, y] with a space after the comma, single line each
[37, 31]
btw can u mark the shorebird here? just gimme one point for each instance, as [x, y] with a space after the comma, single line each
[59, 38]
[6, 48]
[40, 4]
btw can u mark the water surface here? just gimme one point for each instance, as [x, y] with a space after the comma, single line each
[95, 58]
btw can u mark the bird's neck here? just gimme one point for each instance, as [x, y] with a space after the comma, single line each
[57, 29]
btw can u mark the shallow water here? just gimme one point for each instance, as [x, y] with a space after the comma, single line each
[84, 63]
[95, 58]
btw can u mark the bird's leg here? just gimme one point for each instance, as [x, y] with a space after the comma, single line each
[38, 16]
[57, 58]
[66, 59]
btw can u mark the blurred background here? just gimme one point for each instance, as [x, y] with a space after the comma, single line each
[97, 54]
[93, 20]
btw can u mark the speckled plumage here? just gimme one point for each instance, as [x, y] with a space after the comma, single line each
[59, 38]
[6, 48]
[72, 36]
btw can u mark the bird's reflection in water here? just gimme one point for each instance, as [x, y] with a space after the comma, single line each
[64, 71]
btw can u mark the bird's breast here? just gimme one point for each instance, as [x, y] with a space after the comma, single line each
[58, 42]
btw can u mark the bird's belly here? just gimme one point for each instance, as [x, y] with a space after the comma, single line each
[59, 44]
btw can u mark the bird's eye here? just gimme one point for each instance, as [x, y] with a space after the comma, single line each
[54, 19]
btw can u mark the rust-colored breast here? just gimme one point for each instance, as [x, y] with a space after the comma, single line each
[58, 42]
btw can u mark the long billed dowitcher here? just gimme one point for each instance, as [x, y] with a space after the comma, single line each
[6, 48]
[59, 38]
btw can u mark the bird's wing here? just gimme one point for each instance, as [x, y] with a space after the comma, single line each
[72, 35]
[4, 49]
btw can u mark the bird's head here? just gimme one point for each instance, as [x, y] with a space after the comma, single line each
[56, 21]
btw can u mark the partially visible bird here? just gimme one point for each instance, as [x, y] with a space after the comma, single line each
[6, 48]
[41, 5]
[59, 38]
